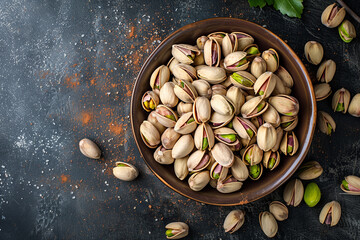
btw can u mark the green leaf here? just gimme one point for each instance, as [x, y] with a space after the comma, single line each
[292, 8]
[257, 3]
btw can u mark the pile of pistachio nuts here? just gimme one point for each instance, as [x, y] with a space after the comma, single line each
[221, 111]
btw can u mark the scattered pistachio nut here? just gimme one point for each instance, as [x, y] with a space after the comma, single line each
[354, 107]
[89, 148]
[312, 194]
[310, 170]
[125, 171]
[293, 192]
[234, 220]
[347, 31]
[326, 123]
[322, 91]
[351, 185]
[279, 210]
[330, 214]
[176, 230]
[268, 224]
[341, 100]
[332, 16]
[326, 71]
[314, 52]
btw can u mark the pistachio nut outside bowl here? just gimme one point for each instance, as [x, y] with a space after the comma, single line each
[302, 90]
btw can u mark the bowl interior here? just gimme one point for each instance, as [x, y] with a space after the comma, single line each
[302, 90]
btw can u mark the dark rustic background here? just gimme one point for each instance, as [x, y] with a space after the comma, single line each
[67, 71]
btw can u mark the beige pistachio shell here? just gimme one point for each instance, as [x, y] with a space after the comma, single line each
[153, 120]
[266, 137]
[285, 77]
[163, 156]
[125, 171]
[239, 169]
[227, 83]
[293, 192]
[244, 128]
[257, 121]
[258, 66]
[218, 36]
[159, 77]
[253, 155]
[218, 172]
[229, 185]
[252, 51]
[184, 72]
[237, 97]
[354, 107]
[267, 160]
[271, 58]
[341, 96]
[332, 16]
[243, 80]
[326, 71]
[167, 95]
[310, 170]
[272, 116]
[212, 52]
[229, 44]
[223, 155]
[280, 87]
[222, 105]
[236, 61]
[149, 101]
[288, 123]
[353, 184]
[279, 136]
[279, 210]
[166, 116]
[184, 53]
[203, 88]
[226, 131]
[89, 148]
[179, 230]
[286, 144]
[213, 75]
[199, 59]
[218, 89]
[314, 52]
[204, 137]
[200, 42]
[234, 220]
[268, 224]
[186, 124]
[254, 107]
[265, 84]
[284, 104]
[149, 134]
[183, 108]
[325, 123]
[322, 91]
[199, 180]
[180, 168]
[217, 120]
[330, 214]
[198, 161]
[172, 63]
[201, 110]
[169, 138]
[243, 40]
[183, 146]
[185, 91]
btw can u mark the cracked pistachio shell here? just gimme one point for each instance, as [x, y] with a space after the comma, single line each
[166, 116]
[322, 91]
[153, 120]
[229, 44]
[183, 146]
[285, 105]
[354, 107]
[125, 171]
[314, 52]
[226, 136]
[347, 31]
[289, 144]
[255, 171]
[180, 168]
[244, 128]
[266, 137]
[351, 185]
[326, 71]
[186, 124]
[254, 107]
[204, 137]
[159, 77]
[167, 95]
[218, 89]
[257, 121]
[172, 63]
[279, 135]
[279, 210]
[268, 162]
[203, 88]
[200, 42]
[149, 101]
[271, 58]
[169, 138]
[252, 51]
[218, 36]
[176, 230]
[199, 60]
[288, 123]
[217, 120]
[212, 75]
[243, 40]
[268, 224]
[201, 110]
[253, 155]
[293, 192]
[229, 185]
[223, 155]
[227, 83]
[237, 97]
[258, 66]
[199, 180]
[184, 53]
[265, 84]
[236, 61]
[243, 80]
[198, 161]
[183, 108]
[89, 149]
[218, 172]
[239, 169]
[222, 105]
[325, 123]
[271, 116]
[212, 52]
[285, 77]
[330, 214]
[149, 134]
[340, 101]
[234, 220]
[185, 91]
[280, 87]
[332, 16]
[184, 72]
[310, 170]
[163, 156]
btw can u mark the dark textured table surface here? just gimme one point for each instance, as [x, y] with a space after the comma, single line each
[66, 72]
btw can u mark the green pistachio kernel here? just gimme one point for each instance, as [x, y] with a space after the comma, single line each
[231, 137]
[152, 104]
[329, 128]
[255, 171]
[345, 185]
[243, 81]
[261, 92]
[344, 35]
[289, 114]
[312, 194]
[252, 51]
[172, 117]
[182, 84]
[247, 157]
[146, 104]
[289, 149]
[271, 163]
[241, 62]
[260, 106]
[340, 107]
[121, 165]
[190, 120]
[169, 233]
[250, 132]
[285, 125]
[205, 143]
[216, 175]
[230, 125]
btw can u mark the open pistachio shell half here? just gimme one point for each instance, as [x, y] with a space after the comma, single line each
[330, 214]
[199, 180]
[176, 230]
[204, 137]
[271, 160]
[332, 16]
[325, 123]
[166, 116]
[243, 80]
[186, 124]
[149, 134]
[184, 53]
[279, 210]
[236, 61]
[180, 168]
[223, 155]
[289, 144]
[185, 91]
[254, 107]
[288, 123]
[351, 185]
[125, 171]
[212, 52]
[218, 172]
[229, 185]
[268, 224]
[340, 101]
[163, 156]
[234, 220]
[265, 84]
[226, 136]
[293, 192]
[244, 128]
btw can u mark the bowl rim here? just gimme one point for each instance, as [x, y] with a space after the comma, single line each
[313, 116]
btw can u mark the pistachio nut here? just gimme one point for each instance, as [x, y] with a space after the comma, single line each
[212, 52]
[89, 149]
[243, 80]
[184, 72]
[222, 105]
[229, 44]
[237, 97]
[125, 171]
[229, 185]
[185, 91]
[351, 185]
[265, 84]
[326, 71]
[223, 155]
[236, 147]
[312, 194]
[198, 161]
[325, 123]
[252, 51]
[176, 230]
[285, 77]
[272, 116]
[183, 108]
[226, 136]
[186, 124]
[322, 91]
[330, 214]
[163, 156]
[266, 137]
[314, 52]
[203, 88]
[180, 168]
[218, 172]
[340, 101]
[347, 31]
[255, 171]
[218, 89]
[239, 169]
[253, 155]
[234, 220]
[149, 101]
[199, 60]
[227, 83]
[271, 159]
[166, 116]
[243, 40]
[236, 61]
[201, 110]
[184, 53]
[183, 146]
[172, 63]
[310, 170]
[200, 42]
[244, 128]
[279, 136]
[280, 87]
[167, 96]
[268, 224]
[354, 107]
[284, 104]
[169, 138]
[213, 75]
[217, 120]
[204, 137]
[258, 120]
[199, 180]
[254, 107]
[159, 77]
[149, 134]
[271, 58]
[289, 144]
[153, 120]
[218, 36]
[258, 66]
[288, 123]
[293, 192]
[332, 16]
[279, 210]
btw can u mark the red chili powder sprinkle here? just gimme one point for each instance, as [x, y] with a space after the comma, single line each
[64, 178]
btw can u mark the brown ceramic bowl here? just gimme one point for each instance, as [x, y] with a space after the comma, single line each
[302, 90]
